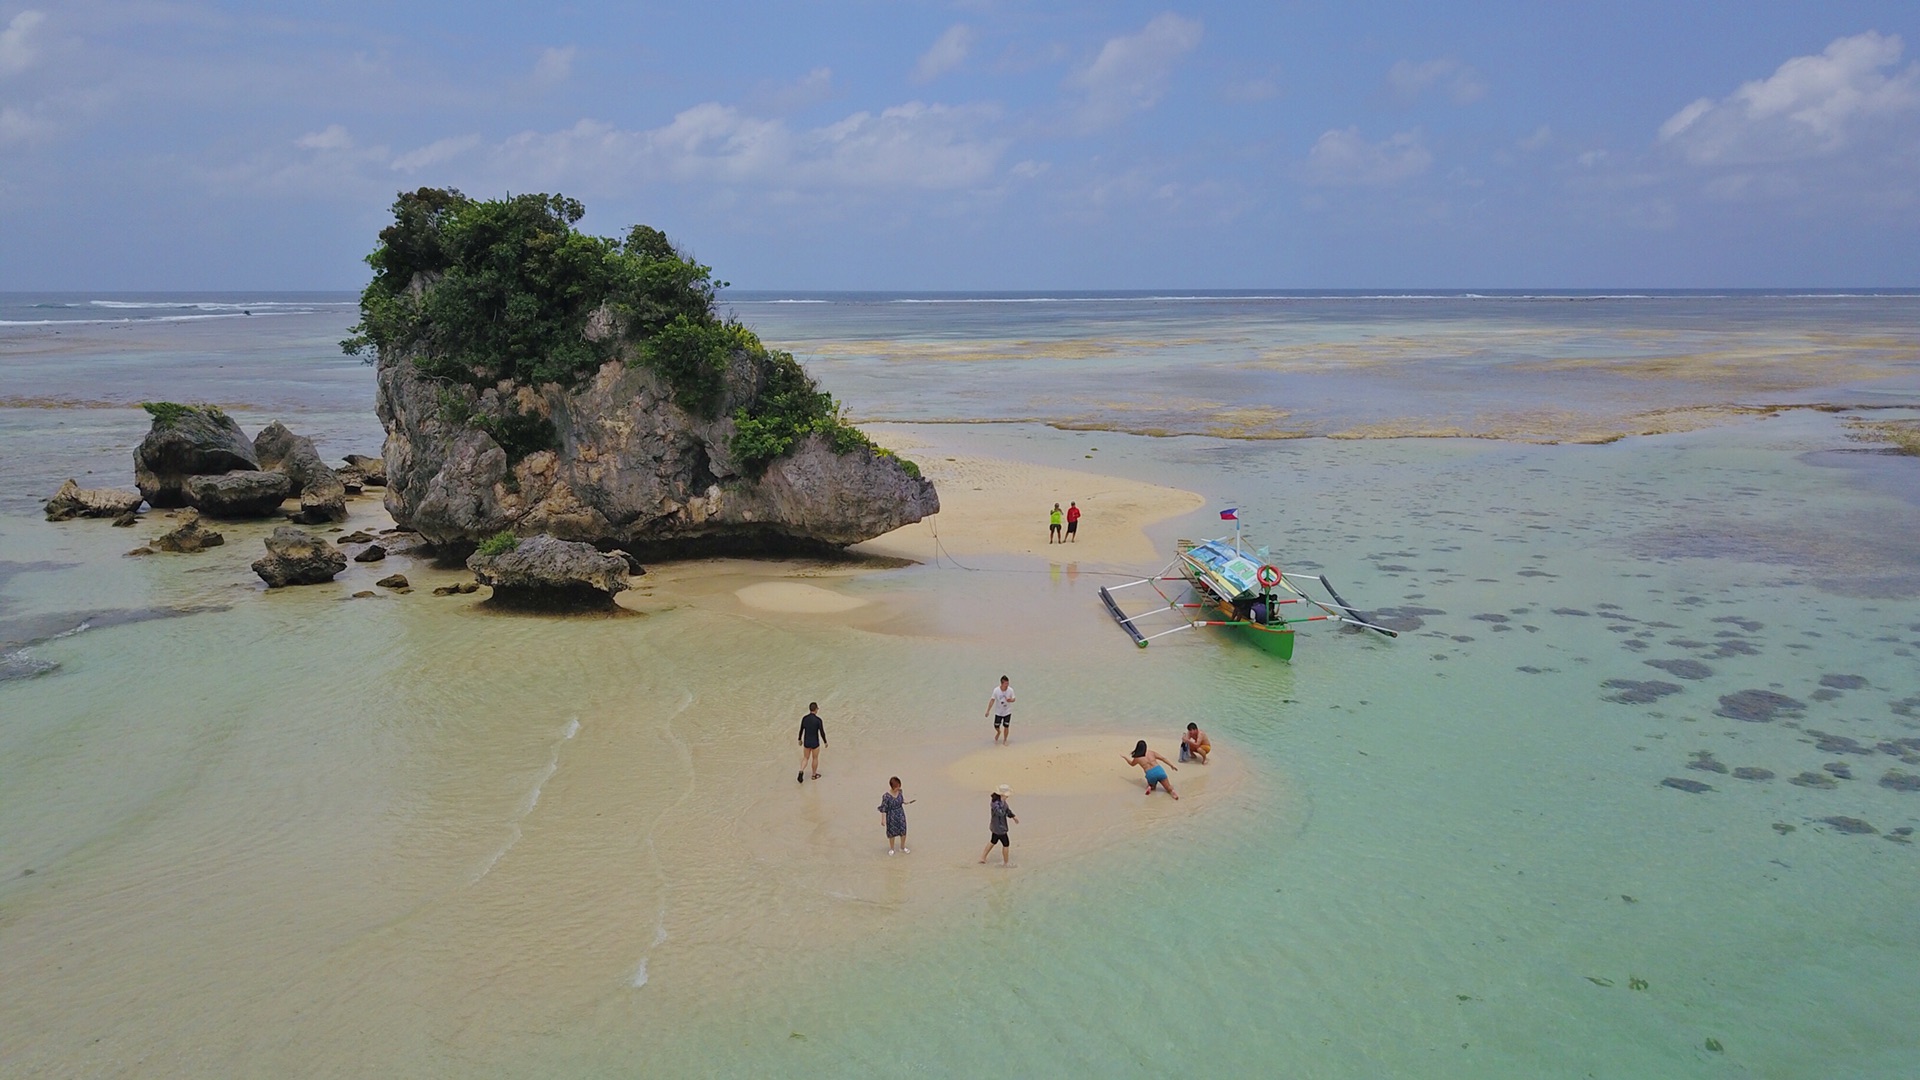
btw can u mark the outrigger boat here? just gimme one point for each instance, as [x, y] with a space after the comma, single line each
[1229, 587]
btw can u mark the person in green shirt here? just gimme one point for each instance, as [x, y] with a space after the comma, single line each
[1053, 527]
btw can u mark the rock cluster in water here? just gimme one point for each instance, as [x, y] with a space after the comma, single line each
[632, 470]
[541, 572]
[298, 557]
[73, 501]
[197, 456]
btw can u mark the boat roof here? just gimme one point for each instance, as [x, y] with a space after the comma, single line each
[1225, 568]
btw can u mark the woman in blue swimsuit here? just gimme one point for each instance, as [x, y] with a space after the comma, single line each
[1155, 767]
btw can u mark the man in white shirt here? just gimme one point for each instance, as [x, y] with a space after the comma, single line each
[1000, 708]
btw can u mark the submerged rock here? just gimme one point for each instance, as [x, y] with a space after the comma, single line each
[373, 553]
[1853, 826]
[73, 501]
[1706, 762]
[250, 493]
[188, 536]
[184, 441]
[1899, 781]
[1814, 780]
[1757, 706]
[1752, 772]
[1694, 787]
[1638, 692]
[297, 557]
[542, 572]
[1681, 668]
[394, 581]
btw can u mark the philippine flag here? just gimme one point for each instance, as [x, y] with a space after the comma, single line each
[1231, 513]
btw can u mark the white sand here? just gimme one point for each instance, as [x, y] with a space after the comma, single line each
[796, 598]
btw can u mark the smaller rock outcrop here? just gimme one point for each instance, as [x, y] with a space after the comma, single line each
[187, 440]
[372, 469]
[394, 581]
[297, 557]
[544, 574]
[252, 493]
[372, 553]
[188, 536]
[322, 495]
[73, 501]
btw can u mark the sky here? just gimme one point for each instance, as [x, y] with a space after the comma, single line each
[981, 145]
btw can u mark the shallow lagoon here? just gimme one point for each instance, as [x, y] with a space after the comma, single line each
[463, 839]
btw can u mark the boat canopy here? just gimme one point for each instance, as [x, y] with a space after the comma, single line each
[1228, 572]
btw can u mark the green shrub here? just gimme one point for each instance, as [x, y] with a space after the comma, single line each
[497, 544]
[479, 291]
[169, 413]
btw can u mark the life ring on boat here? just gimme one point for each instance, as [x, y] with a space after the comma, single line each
[1269, 576]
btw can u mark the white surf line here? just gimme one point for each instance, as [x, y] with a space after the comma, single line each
[533, 799]
[660, 918]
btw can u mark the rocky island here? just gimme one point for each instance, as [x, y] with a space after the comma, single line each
[537, 380]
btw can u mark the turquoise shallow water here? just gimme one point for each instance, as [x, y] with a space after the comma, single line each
[308, 835]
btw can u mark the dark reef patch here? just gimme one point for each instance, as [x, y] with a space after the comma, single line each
[1752, 772]
[1571, 611]
[1637, 692]
[1843, 682]
[1896, 780]
[1757, 706]
[1692, 787]
[1814, 780]
[1852, 826]
[1704, 761]
[1681, 669]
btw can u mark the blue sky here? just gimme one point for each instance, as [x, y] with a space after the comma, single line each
[981, 145]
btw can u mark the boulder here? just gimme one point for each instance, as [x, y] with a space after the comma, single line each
[298, 557]
[253, 493]
[73, 501]
[323, 497]
[372, 553]
[187, 440]
[394, 581]
[372, 469]
[352, 479]
[547, 573]
[631, 468]
[188, 536]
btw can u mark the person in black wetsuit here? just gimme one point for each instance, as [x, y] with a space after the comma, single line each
[813, 736]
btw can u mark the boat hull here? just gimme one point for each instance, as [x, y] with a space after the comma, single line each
[1272, 642]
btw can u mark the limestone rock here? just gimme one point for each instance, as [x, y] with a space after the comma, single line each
[73, 501]
[543, 572]
[394, 581]
[372, 553]
[127, 520]
[188, 536]
[298, 557]
[323, 497]
[252, 493]
[634, 469]
[373, 469]
[188, 440]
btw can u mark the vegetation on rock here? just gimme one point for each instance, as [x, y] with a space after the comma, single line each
[169, 413]
[497, 544]
[479, 291]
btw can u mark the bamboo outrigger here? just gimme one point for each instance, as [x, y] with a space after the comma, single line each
[1230, 588]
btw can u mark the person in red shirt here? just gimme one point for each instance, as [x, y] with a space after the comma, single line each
[1073, 522]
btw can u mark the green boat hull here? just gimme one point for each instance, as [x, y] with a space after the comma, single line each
[1272, 642]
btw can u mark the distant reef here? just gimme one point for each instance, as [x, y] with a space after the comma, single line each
[534, 379]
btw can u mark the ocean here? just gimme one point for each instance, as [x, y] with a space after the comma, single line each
[1628, 538]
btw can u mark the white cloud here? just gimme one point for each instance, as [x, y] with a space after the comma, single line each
[16, 125]
[949, 51]
[910, 146]
[812, 88]
[435, 153]
[1131, 72]
[1346, 159]
[554, 66]
[1541, 136]
[1407, 81]
[17, 50]
[334, 137]
[1810, 107]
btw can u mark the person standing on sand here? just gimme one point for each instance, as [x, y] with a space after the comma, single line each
[1195, 744]
[999, 812]
[1073, 522]
[893, 805]
[1000, 708]
[1053, 525]
[1154, 766]
[813, 736]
